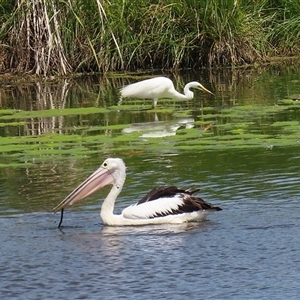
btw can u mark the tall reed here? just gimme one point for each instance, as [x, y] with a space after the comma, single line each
[46, 37]
[285, 33]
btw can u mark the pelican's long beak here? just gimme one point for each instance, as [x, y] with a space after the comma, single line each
[201, 87]
[95, 182]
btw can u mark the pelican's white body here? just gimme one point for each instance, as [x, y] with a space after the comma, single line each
[142, 214]
[150, 210]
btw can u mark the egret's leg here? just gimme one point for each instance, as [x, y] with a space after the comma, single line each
[154, 102]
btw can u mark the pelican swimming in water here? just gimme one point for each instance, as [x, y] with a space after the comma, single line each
[160, 206]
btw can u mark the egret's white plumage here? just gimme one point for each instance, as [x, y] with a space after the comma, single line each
[158, 88]
[159, 206]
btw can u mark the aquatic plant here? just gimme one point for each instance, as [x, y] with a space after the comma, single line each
[46, 37]
[31, 136]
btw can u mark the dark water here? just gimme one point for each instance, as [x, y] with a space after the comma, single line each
[249, 250]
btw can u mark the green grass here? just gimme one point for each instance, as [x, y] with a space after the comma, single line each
[94, 35]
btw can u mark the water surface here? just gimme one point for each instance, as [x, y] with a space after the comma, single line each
[248, 250]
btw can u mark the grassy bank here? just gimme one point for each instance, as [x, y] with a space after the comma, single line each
[60, 37]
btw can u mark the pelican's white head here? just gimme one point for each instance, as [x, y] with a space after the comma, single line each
[111, 172]
[117, 169]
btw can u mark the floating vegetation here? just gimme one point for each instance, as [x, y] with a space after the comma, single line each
[12, 124]
[294, 102]
[32, 136]
[21, 114]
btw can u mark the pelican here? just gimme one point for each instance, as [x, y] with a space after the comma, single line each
[160, 206]
[160, 87]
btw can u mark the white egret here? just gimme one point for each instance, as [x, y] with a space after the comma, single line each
[161, 205]
[158, 88]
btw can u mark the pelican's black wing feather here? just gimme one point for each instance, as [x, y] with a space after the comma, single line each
[163, 192]
[190, 202]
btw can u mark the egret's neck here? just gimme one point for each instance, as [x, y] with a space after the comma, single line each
[107, 209]
[188, 94]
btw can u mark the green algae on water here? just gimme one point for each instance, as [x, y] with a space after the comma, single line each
[102, 131]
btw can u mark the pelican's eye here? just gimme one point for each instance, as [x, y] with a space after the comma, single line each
[105, 165]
